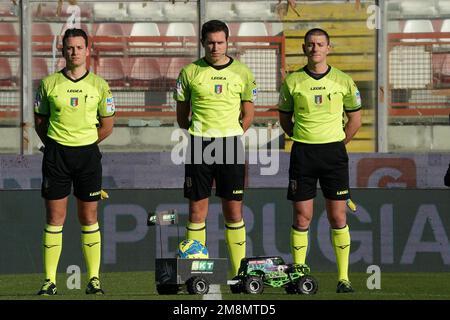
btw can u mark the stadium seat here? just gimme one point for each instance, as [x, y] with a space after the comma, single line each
[109, 30]
[443, 7]
[145, 29]
[146, 10]
[41, 29]
[252, 29]
[253, 10]
[221, 10]
[7, 10]
[180, 11]
[276, 28]
[39, 70]
[44, 10]
[446, 70]
[393, 26]
[45, 34]
[412, 8]
[6, 76]
[111, 69]
[109, 10]
[233, 27]
[145, 72]
[418, 26]
[393, 6]
[445, 28]
[180, 29]
[175, 65]
[7, 29]
[184, 29]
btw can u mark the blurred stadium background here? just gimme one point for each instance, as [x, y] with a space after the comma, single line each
[397, 51]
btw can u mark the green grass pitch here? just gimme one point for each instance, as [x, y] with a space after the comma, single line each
[141, 286]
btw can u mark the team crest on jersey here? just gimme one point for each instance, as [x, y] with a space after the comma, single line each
[74, 101]
[218, 88]
[318, 99]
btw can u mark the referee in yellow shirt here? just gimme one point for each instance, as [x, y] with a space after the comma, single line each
[215, 104]
[74, 111]
[316, 98]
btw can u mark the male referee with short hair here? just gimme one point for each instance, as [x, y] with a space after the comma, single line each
[74, 111]
[215, 104]
[316, 97]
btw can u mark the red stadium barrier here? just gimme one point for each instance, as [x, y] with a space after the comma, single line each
[263, 54]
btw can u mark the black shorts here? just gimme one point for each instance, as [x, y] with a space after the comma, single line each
[64, 165]
[219, 160]
[327, 163]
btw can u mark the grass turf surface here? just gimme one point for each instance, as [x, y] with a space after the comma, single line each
[141, 286]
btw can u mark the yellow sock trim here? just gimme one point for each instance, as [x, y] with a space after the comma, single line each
[91, 243]
[196, 231]
[235, 237]
[52, 228]
[52, 247]
[92, 227]
[341, 244]
[299, 245]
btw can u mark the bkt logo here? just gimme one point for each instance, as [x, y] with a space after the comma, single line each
[202, 266]
[386, 173]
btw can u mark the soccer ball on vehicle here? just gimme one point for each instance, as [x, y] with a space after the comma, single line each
[192, 249]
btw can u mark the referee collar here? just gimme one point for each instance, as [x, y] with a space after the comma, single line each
[220, 67]
[63, 71]
[316, 76]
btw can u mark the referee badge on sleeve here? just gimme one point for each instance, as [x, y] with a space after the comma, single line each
[178, 88]
[110, 106]
[358, 97]
[37, 101]
[254, 93]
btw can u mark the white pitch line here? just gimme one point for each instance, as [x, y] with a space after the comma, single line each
[214, 293]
